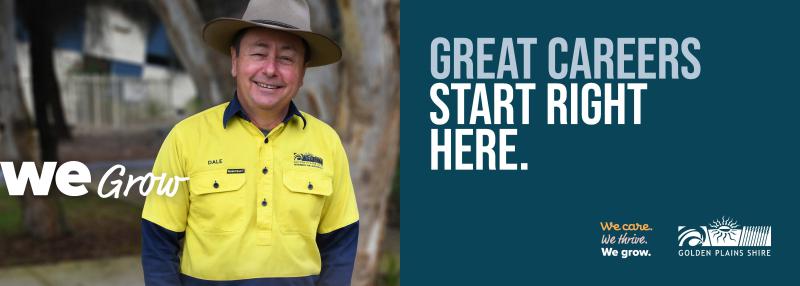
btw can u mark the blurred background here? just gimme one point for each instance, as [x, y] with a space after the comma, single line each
[102, 82]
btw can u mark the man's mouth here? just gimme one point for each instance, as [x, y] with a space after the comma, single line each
[267, 86]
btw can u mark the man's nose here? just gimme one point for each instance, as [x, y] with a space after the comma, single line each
[269, 66]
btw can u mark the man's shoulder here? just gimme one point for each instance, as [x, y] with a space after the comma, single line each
[212, 115]
[318, 126]
[201, 122]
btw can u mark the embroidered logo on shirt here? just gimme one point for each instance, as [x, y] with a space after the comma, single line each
[235, 171]
[214, 162]
[307, 160]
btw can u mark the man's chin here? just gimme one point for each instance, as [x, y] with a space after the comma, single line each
[263, 101]
[267, 105]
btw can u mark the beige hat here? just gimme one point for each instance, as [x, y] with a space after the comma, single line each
[285, 15]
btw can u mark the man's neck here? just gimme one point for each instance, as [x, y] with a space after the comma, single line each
[266, 119]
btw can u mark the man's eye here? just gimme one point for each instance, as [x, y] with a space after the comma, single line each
[257, 55]
[286, 59]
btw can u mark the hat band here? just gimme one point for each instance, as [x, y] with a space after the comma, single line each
[275, 23]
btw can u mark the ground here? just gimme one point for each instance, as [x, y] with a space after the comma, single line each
[99, 228]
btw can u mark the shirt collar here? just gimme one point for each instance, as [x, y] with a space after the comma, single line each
[235, 108]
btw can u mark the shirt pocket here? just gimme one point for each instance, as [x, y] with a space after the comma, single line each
[216, 202]
[305, 195]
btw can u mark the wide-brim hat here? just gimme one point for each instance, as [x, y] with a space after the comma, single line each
[291, 16]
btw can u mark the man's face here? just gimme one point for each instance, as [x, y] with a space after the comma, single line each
[269, 69]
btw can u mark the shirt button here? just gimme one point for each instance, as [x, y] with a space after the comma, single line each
[264, 203]
[264, 171]
[266, 140]
[310, 186]
[216, 185]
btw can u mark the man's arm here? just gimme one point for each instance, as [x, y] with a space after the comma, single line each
[338, 252]
[160, 248]
[337, 234]
[164, 218]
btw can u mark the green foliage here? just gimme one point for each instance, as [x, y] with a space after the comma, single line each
[154, 108]
[77, 209]
[390, 269]
[10, 213]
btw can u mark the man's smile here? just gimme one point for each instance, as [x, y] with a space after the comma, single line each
[267, 86]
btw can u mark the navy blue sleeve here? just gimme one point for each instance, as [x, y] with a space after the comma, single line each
[160, 248]
[338, 252]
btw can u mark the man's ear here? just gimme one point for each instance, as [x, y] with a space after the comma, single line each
[234, 55]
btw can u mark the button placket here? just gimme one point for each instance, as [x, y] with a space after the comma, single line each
[264, 219]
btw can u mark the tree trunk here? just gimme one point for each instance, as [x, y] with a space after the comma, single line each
[42, 216]
[209, 70]
[44, 82]
[14, 122]
[368, 117]
[320, 93]
[360, 96]
[61, 127]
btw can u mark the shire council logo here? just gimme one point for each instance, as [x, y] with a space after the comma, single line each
[725, 237]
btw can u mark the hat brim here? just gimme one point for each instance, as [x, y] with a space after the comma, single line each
[219, 33]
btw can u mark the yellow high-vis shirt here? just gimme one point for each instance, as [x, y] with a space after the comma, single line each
[254, 203]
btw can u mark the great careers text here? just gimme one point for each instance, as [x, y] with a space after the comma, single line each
[465, 68]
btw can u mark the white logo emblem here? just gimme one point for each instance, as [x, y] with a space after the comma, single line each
[725, 232]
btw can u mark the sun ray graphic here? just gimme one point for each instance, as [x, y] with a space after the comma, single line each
[722, 229]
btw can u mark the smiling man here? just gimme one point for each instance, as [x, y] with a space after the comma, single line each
[269, 199]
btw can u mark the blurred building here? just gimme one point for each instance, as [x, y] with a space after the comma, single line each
[116, 69]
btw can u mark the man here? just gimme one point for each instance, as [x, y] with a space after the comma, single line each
[269, 199]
